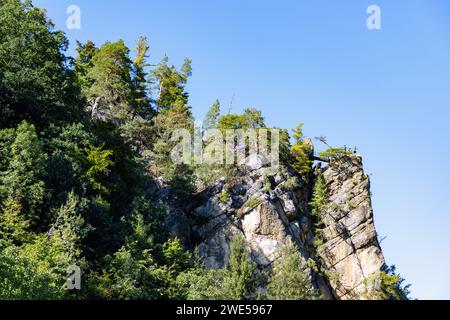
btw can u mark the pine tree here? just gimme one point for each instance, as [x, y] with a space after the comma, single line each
[110, 76]
[70, 229]
[239, 284]
[98, 164]
[212, 117]
[334, 153]
[301, 151]
[171, 84]
[14, 228]
[186, 68]
[387, 284]
[253, 118]
[23, 179]
[83, 62]
[289, 280]
[173, 114]
[137, 129]
[319, 198]
[236, 281]
[140, 82]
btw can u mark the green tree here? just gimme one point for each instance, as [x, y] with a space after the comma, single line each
[173, 113]
[201, 284]
[110, 76]
[289, 280]
[125, 273]
[392, 285]
[70, 229]
[137, 128]
[66, 164]
[301, 151]
[83, 62]
[240, 282]
[285, 146]
[23, 178]
[250, 119]
[319, 198]
[35, 271]
[334, 153]
[14, 228]
[212, 117]
[178, 176]
[318, 206]
[140, 79]
[231, 121]
[98, 164]
[253, 118]
[36, 82]
[236, 281]
[170, 85]
[151, 217]
[142, 268]
[26, 277]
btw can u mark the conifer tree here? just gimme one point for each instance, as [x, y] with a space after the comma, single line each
[70, 229]
[110, 76]
[319, 198]
[289, 280]
[301, 151]
[239, 284]
[236, 281]
[212, 117]
[83, 62]
[253, 118]
[22, 180]
[140, 82]
[171, 85]
[173, 114]
[14, 228]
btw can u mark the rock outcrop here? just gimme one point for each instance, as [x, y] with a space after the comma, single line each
[351, 250]
[272, 211]
[265, 209]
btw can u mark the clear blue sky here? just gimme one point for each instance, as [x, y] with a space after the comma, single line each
[387, 92]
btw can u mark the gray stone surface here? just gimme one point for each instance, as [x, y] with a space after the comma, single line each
[272, 219]
[351, 248]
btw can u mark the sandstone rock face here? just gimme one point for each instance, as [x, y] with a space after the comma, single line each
[268, 209]
[264, 212]
[351, 250]
[271, 210]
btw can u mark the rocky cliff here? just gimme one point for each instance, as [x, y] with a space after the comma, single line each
[271, 210]
[351, 248]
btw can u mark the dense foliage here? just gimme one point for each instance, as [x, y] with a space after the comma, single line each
[235, 282]
[290, 280]
[72, 183]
